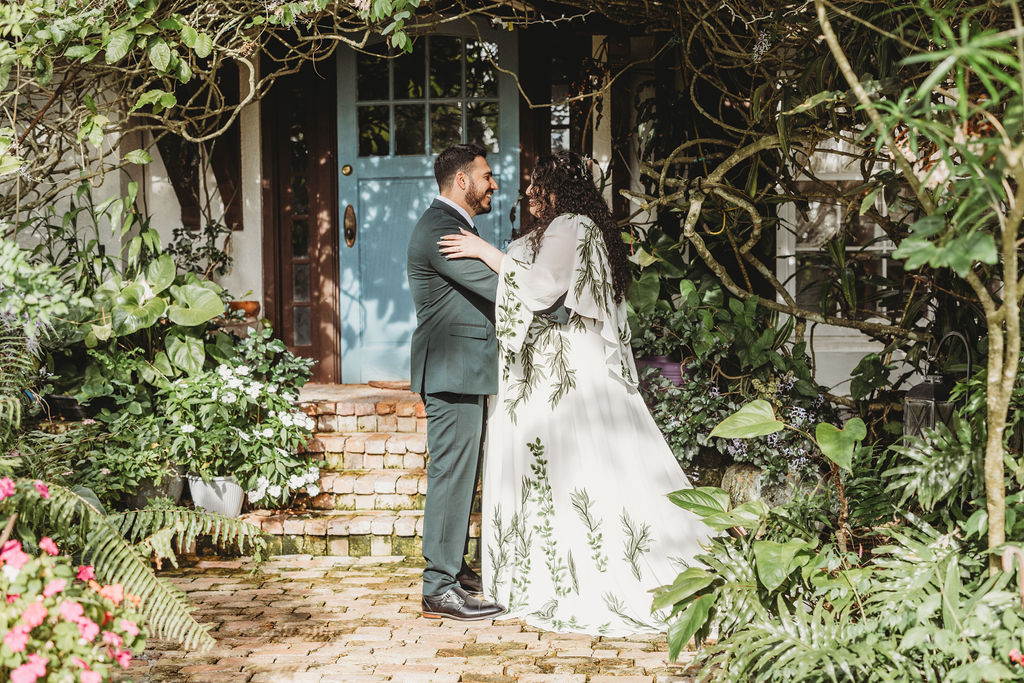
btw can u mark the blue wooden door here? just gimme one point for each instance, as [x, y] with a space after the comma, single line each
[394, 116]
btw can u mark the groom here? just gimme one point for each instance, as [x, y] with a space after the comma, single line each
[454, 368]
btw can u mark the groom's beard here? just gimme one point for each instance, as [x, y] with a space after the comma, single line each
[479, 201]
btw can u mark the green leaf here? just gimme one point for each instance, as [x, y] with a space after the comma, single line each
[813, 101]
[160, 273]
[203, 46]
[776, 561]
[702, 501]
[186, 352]
[194, 305]
[159, 54]
[690, 581]
[101, 332]
[118, 44]
[133, 312]
[138, 156]
[688, 623]
[838, 444]
[748, 515]
[756, 418]
[869, 200]
[162, 363]
[189, 36]
[44, 69]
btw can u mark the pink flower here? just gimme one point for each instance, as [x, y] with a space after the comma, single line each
[34, 614]
[114, 592]
[78, 661]
[123, 657]
[86, 573]
[39, 662]
[24, 674]
[1016, 656]
[44, 490]
[88, 629]
[71, 611]
[129, 627]
[90, 677]
[48, 546]
[12, 555]
[6, 488]
[11, 597]
[17, 638]
[88, 421]
[54, 587]
[111, 638]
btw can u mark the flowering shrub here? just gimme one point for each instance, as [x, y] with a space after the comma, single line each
[59, 623]
[227, 422]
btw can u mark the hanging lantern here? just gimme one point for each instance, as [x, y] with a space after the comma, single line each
[927, 404]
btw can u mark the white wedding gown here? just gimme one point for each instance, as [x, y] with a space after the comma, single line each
[577, 529]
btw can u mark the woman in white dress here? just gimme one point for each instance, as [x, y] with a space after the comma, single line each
[577, 529]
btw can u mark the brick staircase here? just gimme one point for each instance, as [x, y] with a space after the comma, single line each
[371, 447]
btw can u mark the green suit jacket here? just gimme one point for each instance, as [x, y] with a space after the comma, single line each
[453, 348]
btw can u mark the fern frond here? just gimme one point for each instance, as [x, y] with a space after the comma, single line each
[159, 530]
[17, 373]
[117, 560]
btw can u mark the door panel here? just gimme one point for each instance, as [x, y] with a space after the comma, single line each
[394, 115]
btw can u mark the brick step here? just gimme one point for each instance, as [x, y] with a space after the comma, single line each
[385, 489]
[373, 532]
[372, 451]
[345, 408]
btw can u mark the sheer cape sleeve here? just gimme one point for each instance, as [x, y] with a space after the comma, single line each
[572, 261]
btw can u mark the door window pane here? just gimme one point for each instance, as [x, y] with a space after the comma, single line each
[482, 124]
[409, 75]
[445, 66]
[300, 282]
[374, 131]
[445, 126]
[300, 238]
[410, 129]
[481, 76]
[372, 81]
[299, 148]
[302, 331]
[300, 196]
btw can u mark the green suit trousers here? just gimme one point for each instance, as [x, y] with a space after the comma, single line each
[455, 425]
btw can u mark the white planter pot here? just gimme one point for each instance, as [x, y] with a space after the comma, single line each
[220, 494]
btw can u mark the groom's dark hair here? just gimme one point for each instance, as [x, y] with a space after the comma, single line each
[454, 159]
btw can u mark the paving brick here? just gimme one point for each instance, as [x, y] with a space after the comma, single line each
[376, 444]
[387, 423]
[405, 424]
[384, 407]
[367, 423]
[355, 444]
[416, 443]
[333, 443]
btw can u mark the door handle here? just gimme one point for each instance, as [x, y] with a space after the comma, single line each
[351, 228]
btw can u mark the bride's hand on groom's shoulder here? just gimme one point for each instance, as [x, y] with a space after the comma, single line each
[463, 245]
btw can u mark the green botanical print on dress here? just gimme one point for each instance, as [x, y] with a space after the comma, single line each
[499, 554]
[545, 512]
[581, 503]
[524, 541]
[638, 542]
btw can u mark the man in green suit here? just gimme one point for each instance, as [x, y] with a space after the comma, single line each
[454, 368]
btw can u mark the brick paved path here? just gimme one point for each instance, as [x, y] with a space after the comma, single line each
[357, 619]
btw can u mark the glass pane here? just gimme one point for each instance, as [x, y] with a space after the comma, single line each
[811, 284]
[559, 139]
[445, 126]
[300, 238]
[300, 282]
[482, 124]
[409, 75]
[300, 196]
[481, 76]
[372, 79]
[303, 329]
[445, 66]
[299, 148]
[374, 131]
[410, 129]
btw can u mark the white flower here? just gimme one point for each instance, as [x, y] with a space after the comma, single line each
[272, 388]
[256, 495]
[242, 370]
[224, 371]
[253, 390]
[310, 423]
[296, 482]
[274, 491]
[313, 490]
[272, 413]
[228, 397]
[242, 435]
[233, 383]
[188, 429]
[286, 419]
[312, 475]
[282, 452]
[267, 433]
[262, 483]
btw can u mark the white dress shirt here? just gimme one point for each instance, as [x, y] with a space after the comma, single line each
[465, 214]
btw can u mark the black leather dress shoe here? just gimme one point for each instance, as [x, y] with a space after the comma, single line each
[470, 581]
[457, 604]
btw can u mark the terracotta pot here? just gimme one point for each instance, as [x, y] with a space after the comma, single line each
[250, 308]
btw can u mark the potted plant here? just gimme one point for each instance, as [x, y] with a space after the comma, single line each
[236, 428]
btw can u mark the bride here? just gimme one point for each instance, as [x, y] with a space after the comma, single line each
[577, 528]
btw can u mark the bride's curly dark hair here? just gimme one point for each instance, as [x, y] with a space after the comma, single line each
[566, 177]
